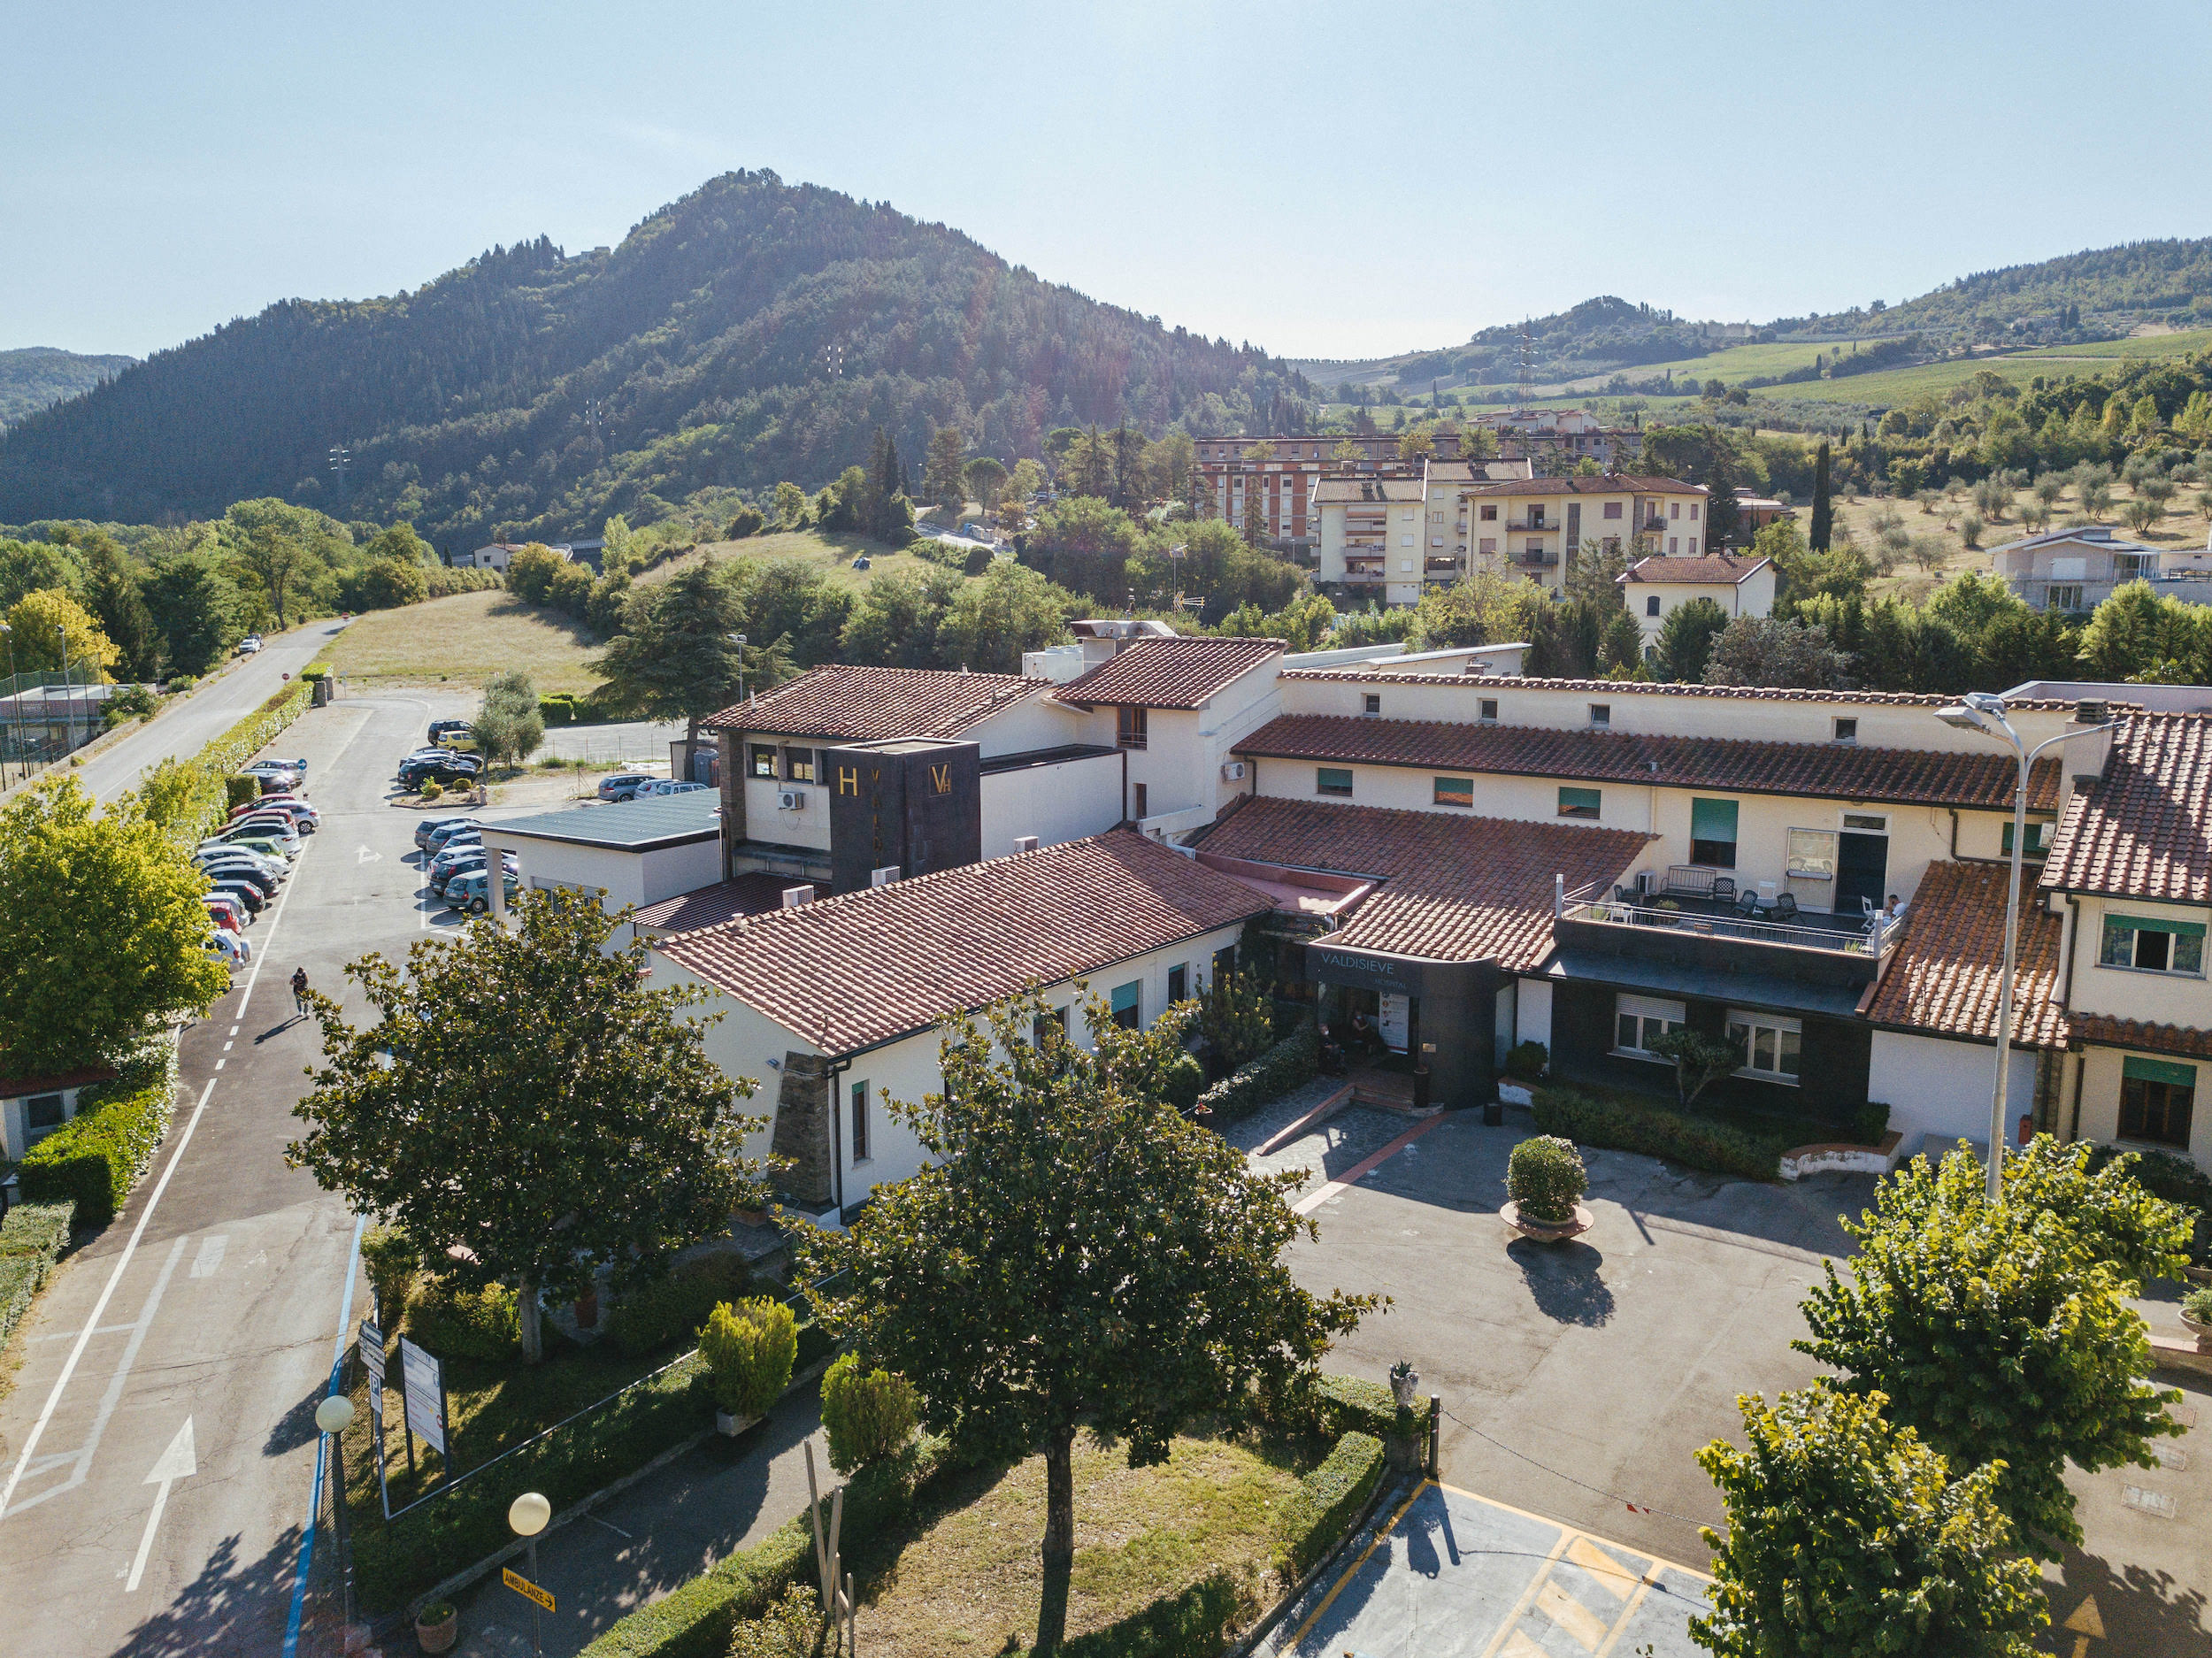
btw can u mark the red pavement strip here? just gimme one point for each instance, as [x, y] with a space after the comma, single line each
[1359, 1172]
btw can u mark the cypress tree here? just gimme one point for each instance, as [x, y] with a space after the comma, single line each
[1824, 509]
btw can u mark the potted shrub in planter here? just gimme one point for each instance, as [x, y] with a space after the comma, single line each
[749, 1348]
[1546, 1180]
[437, 1626]
[2196, 1315]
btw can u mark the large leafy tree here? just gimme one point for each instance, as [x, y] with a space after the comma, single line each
[279, 551]
[1849, 1536]
[113, 596]
[107, 930]
[944, 480]
[676, 657]
[195, 605]
[49, 630]
[2001, 1331]
[521, 1098]
[1076, 1255]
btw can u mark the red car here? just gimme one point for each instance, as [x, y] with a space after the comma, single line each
[227, 911]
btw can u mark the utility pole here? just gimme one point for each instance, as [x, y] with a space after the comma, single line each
[341, 458]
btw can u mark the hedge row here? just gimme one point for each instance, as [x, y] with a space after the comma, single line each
[1654, 1132]
[1327, 1501]
[1351, 1404]
[1290, 1062]
[30, 1236]
[198, 787]
[94, 1158]
[563, 707]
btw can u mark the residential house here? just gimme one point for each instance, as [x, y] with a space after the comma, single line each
[2077, 569]
[31, 1107]
[1653, 586]
[1536, 527]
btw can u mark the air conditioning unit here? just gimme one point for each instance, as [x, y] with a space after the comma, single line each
[790, 800]
[1643, 883]
[1232, 771]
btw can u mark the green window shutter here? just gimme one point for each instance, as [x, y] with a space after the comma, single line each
[2152, 924]
[1578, 803]
[1126, 998]
[1329, 780]
[1455, 791]
[1713, 820]
[2136, 1070]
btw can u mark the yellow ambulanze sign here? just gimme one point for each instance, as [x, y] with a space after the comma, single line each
[524, 1587]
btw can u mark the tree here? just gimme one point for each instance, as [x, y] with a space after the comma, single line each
[32, 567]
[388, 583]
[1238, 1020]
[677, 655]
[998, 616]
[2001, 1332]
[1698, 1062]
[508, 726]
[1768, 650]
[944, 475]
[531, 571]
[49, 629]
[1074, 1256]
[1084, 544]
[279, 549]
[894, 622]
[1416, 443]
[1129, 468]
[1685, 639]
[113, 595]
[986, 481]
[1824, 526]
[1847, 1536]
[541, 1111]
[106, 913]
[790, 506]
[1348, 453]
[400, 541]
[1621, 645]
[1483, 607]
[195, 607]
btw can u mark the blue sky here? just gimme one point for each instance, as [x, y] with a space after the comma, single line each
[1322, 179]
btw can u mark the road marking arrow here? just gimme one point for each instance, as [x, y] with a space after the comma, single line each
[177, 1462]
[2086, 1625]
[366, 857]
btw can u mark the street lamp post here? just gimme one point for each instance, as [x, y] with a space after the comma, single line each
[527, 1515]
[1974, 712]
[15, 705]
[333, 1417]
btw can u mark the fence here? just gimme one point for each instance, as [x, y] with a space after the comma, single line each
[44, 717]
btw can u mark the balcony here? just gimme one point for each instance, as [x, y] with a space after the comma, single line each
[1439, 568]
[1705, 948]
[1711, 918]
[1527, 560]
[1531, 526]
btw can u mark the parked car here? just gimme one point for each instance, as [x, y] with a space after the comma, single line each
[303, 818]
[622, 784]
[254, 840]
[660, 786]
[445, 770]
[233, 949]
[239, 870]
[473, 892]
[226, 911]
[439, 727]
[472, 862]
[244, 892]
[277, 825]
[250, 643]
[455, 848]
[296, 769]
[228, 852]
[432, 833]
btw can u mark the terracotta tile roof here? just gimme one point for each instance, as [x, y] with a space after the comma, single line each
[1169, 673]
[1373, 490]
[1603, 484]
[1943, 975]
[1455, 889]
[12, 1088]
[842, 703]
[1828, 771]
[863, 967]
[1651, 687]
[748, 895]
[2144, 829]
[2181, 1039]
[1708, 567]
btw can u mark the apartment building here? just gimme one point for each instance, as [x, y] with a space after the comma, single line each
[1653, 588]
[1281, 485]
[2077, 569]
[1561, 437]
[1535, 528]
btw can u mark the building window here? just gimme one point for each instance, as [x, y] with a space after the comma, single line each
[1331, 779]
[1612, 509]
[1601, 714]
[1713, 834]
[1178, 983]
[1489, 543]
[1651, 604]
[1872, 822]
[1051, 1019]
[2154, 946]
[1674, 509]
[1691, 550]
[1670, 547]
[1765, 1043]
[1640, 1021]
[1489, 706]
[2064, 598]
[1490, 514]
[764, 760]
[1693, 511]
[1578, 803]
[1372, 702]
[1126, 1009]
[2155, 1101]
[798, 764]
[1811, 854]
[2038, 840]
[1455, 791]
[1224, 963]
[1847, 731]
[860, 1122]
[42, 1110]
[1130, 727]
[1144, 806]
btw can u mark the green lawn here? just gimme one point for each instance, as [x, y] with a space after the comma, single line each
[833, 555]
[463, 642]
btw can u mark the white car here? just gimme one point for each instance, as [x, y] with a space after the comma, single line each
[233, 950]
[661, 785]
[250, 643]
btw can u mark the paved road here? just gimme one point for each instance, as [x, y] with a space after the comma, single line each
[187, 727]
[214, 1299]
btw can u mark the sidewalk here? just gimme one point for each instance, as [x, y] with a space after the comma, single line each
[657, 1535]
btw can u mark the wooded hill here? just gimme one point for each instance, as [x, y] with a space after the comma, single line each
[36, 375]
[749, 333]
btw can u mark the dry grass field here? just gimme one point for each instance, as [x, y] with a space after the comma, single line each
[465, 641]
[832, 555]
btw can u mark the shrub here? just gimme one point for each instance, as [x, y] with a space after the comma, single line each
[463, 1323]
[181, 683]
[1870, 1122]
[37, 1229]
[791, 1627]
[430, 789]
[95, 1157]
[1327, 1502]
[392, 1262]
[2162, 1175]
[243, 790]
[315, 671]
[1274, 1073]
[672, 1308]
[1237, 1020]
[867, 1414]
[2198, 1303]
[1546, 1177]
[128, 702]
[747, 521]
[1656, 1131]
[1352, 1404]
[749, 1347]
[20, 1276]
[1525, 1061]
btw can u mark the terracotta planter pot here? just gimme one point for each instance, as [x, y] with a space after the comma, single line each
[587, 1309]
[438, 1636]
[2201, 1329]
[1538, 1232]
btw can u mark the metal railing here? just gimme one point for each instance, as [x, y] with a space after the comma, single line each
[1732, 925]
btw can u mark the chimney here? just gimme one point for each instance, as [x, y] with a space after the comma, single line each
[793, 896]
[885, 876]
[2085, 756]
[1025, 843]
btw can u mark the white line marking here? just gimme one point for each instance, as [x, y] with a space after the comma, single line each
[104, 1330]
[177, 1462]
[209, 1261]
[184, 1141]
[226, 1047]
[219, 1064]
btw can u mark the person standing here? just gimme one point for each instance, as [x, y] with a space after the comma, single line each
[299, 991]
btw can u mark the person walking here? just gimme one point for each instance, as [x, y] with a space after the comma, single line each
[299, 991]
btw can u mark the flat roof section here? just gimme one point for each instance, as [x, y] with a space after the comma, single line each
[630, 825]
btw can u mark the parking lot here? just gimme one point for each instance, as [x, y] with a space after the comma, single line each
[1579, 1379]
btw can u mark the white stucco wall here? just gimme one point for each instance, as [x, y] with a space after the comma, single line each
[2101, 1069]
[1064, 801]
[1531, 1019]
[629, 878]
[2131, 993]
[1941, 1089]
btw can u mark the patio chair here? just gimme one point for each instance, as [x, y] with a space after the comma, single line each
[1724, 888]
[1786, 907]
[1748, 901]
